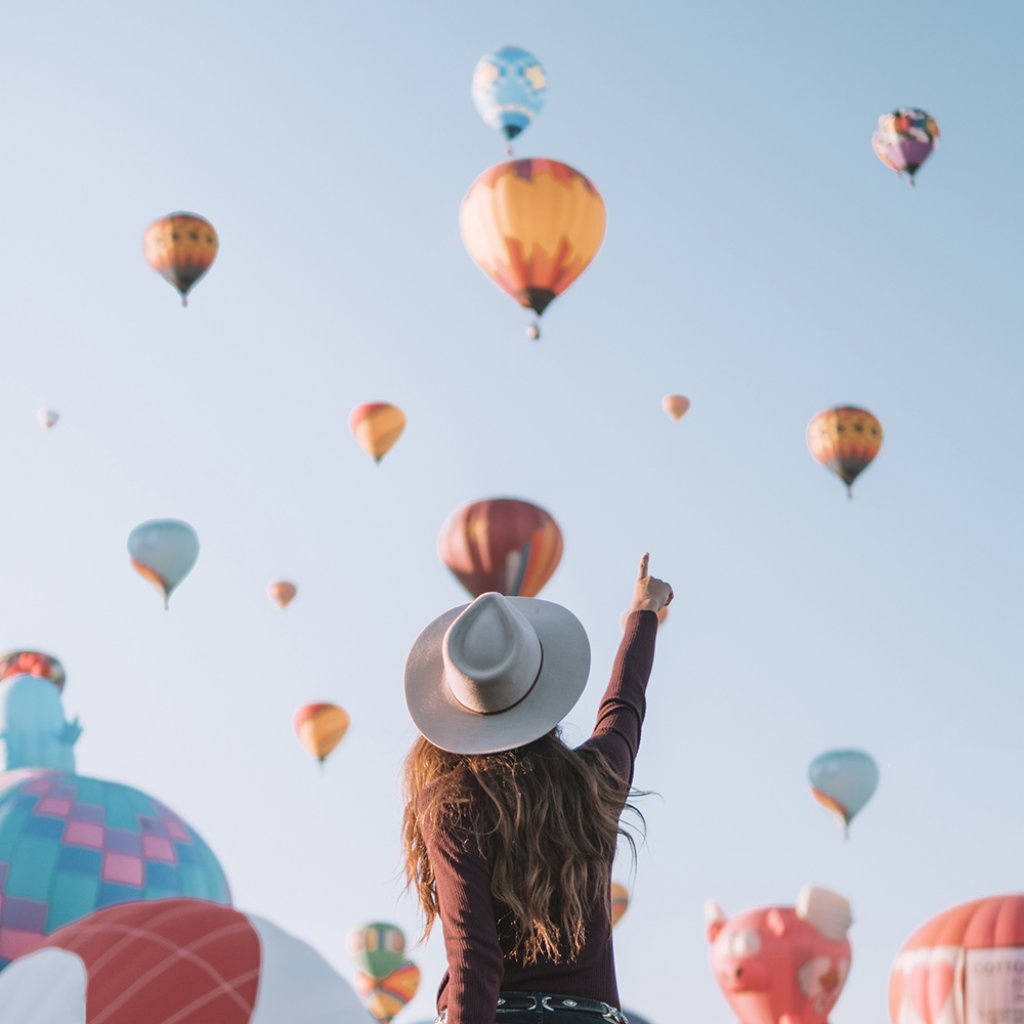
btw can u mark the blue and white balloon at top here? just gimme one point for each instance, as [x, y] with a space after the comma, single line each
[163, 551]
[509, 88]
[843, 781]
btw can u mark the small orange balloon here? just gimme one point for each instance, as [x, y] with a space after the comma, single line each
[676, 406]
[620, 902]
[282, 593]
[181, 248]
[376, 426]
[320, 728]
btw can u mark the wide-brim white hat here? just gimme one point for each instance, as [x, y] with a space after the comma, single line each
[496, 674]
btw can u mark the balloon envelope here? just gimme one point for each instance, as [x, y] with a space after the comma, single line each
[962, 966]
[33, 663]
[163, 551]
[181, 248]
[843, 781]
[320, 728]
[532, 226]
[509, 89]
[501, 544]
[620, 902]
[675, 406]
[385, 997]
[180, 961]
[377, 947]
[904, 139]
[47, 418]
[376, 426]
[846, 440]
[282, 593]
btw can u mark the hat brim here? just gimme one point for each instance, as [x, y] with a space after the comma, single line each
[455, 728]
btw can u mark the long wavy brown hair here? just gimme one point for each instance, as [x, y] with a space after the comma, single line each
[546, 819]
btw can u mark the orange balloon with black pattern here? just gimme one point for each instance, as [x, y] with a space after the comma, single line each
[532, 226]
[845, 440]
[181, 248]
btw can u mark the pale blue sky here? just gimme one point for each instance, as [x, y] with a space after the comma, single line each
[758, 258]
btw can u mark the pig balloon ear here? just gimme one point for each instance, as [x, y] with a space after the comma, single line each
[826, 911]
[776, 922]
[714, 918]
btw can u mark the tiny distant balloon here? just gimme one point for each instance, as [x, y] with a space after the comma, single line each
[620, 902]
[376, 426]
[676, 406]
[509, 89]
[320, 728]
[47, 418]
[843, 781]
[32, 663]
[377, 947]
[282, 593]
[163, 551]
[385, 997]
[846, 440]
[904, 139]
[181, 248]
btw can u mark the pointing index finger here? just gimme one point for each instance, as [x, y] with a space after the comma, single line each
[643, 565]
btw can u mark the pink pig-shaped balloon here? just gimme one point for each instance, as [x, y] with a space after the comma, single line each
[783, 965]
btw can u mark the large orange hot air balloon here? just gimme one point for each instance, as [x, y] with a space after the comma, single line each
[501, 544]
[320, 728]
[532, 226]
[962, 967]
[845, 440]
[181, 248]
[376, 426]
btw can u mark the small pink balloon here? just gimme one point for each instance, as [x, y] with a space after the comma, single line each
[675, 405]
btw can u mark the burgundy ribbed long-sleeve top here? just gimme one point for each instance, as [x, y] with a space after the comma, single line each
[479, 950]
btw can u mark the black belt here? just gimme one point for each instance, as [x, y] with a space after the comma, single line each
[543, 1001]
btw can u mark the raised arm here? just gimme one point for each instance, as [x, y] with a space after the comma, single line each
[621, 714]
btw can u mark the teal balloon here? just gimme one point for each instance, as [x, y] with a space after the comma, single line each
[378, 948]
[163, 551]
[843, 781]
[509, 89]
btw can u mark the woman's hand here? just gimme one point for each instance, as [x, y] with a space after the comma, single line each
[650, 593]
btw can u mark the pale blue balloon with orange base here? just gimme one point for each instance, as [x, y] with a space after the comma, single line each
[163, 551]
[843, 781]
[509, 89]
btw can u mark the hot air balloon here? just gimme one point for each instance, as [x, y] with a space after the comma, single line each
[532, 226]
[47, 418]
[282, 593]
[843, 781]
[846, 440]
[675, 406]
[376, 426]
[385, 997]
[174, 960]
[377, 947]
[782, 964]
[509, 88]
[620, 902]
[501, 544]
[33, 663]
[904, 139]
[320, 728]
[163, 551]
[963, 967]
[181, 248]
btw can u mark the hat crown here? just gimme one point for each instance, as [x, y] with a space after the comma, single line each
[492, 656]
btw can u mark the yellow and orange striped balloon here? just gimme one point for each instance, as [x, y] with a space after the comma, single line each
[376, 426]
[181, 248]
[845, 440]
[532, 226]
[385, 997]
[320, 728]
